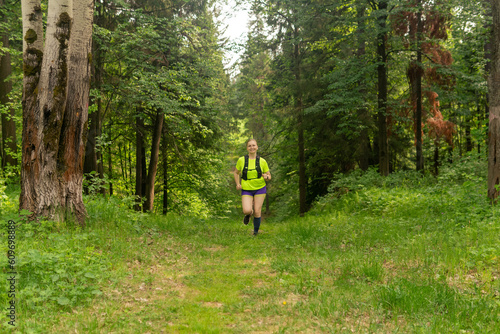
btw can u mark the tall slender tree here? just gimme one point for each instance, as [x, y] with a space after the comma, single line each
[381, 8]
[494, 105]
[8, 148]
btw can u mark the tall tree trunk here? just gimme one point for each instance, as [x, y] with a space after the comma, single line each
[55, 107]
[9, 140]
[363, 151]
[468, 138]
[32, 65]
[75, 122]
[494, 103]
[144, 173]
[436, 157]
[110, 171]
[139, 151]
[94, 154]
[418, 88]
[302, 163]
[123, 165]
[165, 173]
[382, 89]
[90, 164]
[300, 128]
[129, 163]
[153, 162]
[487, 53]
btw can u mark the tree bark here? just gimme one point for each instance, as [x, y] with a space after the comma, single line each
[383, 143]
[55, 107]
[436, 157]
[300, 128]
[110, 170]
[139, 149]
[153, 162]
[9, 140]
[93, 153]
[165, 173]
[487, 52]
[75, 121]
[494, 103]
[418, 88]
[363, 151]
[90, 164]
[468, 137]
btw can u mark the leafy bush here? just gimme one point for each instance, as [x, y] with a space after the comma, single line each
[471, 167]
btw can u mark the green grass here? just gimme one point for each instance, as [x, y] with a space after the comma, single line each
[412, 259]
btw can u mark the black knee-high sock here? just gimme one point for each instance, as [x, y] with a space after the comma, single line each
[256, 224]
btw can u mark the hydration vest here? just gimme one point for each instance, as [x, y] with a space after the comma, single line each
[257, 168]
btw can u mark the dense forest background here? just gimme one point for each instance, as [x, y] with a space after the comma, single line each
[326, 87]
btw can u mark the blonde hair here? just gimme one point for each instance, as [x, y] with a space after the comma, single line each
[249, 140]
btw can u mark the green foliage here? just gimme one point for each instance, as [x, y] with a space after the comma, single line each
[94, 183]
[57, 268]
[66, 273]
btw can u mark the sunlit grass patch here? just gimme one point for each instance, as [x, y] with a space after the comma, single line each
[436, 300]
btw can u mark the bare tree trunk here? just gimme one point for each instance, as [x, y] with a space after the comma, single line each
[468, 138]
[55, 107]
[436, 157]
[129, 162]
[418, 88]
[165, 173]
[9, 140]
[487, 54]
[90, 164]
[75, 122]
[302, 163]
[300, 128]
[139, 146]
[94, 154]
[110, 171]
[494, 103]
[153, 162]
[123, 167]
[363, 151]
[382, 90]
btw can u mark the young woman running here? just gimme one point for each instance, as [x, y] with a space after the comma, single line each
[252, 185]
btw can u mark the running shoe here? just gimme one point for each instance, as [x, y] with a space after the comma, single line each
[246, 219]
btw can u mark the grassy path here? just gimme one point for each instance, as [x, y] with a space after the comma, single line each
[219, 279]
[374, 263]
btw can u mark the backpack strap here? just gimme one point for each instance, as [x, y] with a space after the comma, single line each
[257, 167]
[244, 172]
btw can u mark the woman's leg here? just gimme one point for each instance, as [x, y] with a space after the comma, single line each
[258, 201]
[246, 204]
[257, 212]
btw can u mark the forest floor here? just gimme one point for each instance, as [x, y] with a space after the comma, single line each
[387, 261]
